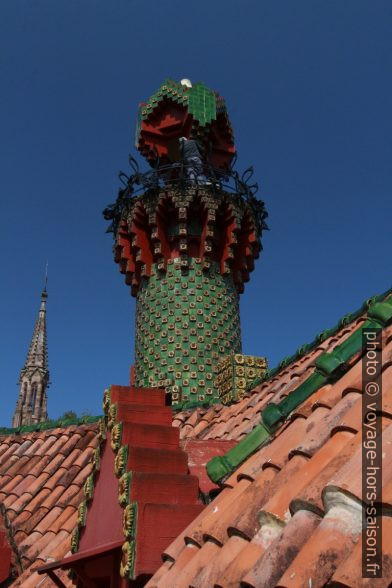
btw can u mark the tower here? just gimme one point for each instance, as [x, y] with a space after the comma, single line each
[186, 240]
[31, 406]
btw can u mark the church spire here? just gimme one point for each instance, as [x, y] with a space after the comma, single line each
[31, 406]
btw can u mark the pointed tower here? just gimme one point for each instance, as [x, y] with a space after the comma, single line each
[31, 406]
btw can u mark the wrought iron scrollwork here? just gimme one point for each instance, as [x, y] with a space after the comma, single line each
[176, 175]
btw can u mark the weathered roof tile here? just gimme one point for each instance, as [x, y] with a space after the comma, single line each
[290, 514]
[40, 488]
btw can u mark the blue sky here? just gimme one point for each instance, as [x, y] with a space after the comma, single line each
[308, 88]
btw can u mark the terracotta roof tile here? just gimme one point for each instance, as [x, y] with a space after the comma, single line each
[4, 447]
[26, 483]
[351, 575]
[17, 504]
[38, 499]
[291, 513]
[82, 473]
[49, 440]
[328, 546]
[50, 547]
[34, 519]
[264, 488]
[77, 498]
[40, 495]
[30, 540]
[199, 561]
[32, 551]
[69, 445]
[67, 494]
[8, 484]
[73, 457]
[87, 440]
[240, 564]
[214, 573]
[49, 520]
[277, 453]
[21, 519]
[60, 550]
[8, 455]
[168, 578]
[66, 521]
[268, 568]
[19, 536]
[54, 479]
[32, 465]
[349, 477]
[214, 521]
[54, 463]
[64, 445]
[80, 458]
[68, 475]
[35, 446]
[14, 465]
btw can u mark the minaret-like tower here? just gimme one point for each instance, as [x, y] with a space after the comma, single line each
[186, 241]
[31, 406]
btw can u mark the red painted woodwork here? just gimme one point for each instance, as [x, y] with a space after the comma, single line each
[105, 514]
[199, 452]
[164, 488]
[132, 395]
[143, 459]
[139, 413]
[158, 525]
[5, 556]
[167, 496]
[151, 436]
[94, 568]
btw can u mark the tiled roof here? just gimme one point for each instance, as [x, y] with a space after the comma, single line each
[42, 474]
[290, 514]
[236, 421]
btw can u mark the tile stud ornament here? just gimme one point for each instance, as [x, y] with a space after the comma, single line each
[186, 242]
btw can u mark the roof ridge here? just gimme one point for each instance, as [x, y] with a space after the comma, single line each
[329, 366]
[51, 424]
[346, 320]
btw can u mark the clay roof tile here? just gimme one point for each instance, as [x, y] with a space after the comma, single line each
[49, 440]
[41, 497]
[267, 570]
[240, 564]
[37, 442]
[72, 458]
[349, 571]
[48, 520]
[273, 502]
[7, 455]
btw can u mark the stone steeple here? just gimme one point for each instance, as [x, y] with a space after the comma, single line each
[31, 406]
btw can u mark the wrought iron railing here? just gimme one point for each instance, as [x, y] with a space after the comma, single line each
[181, 176]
